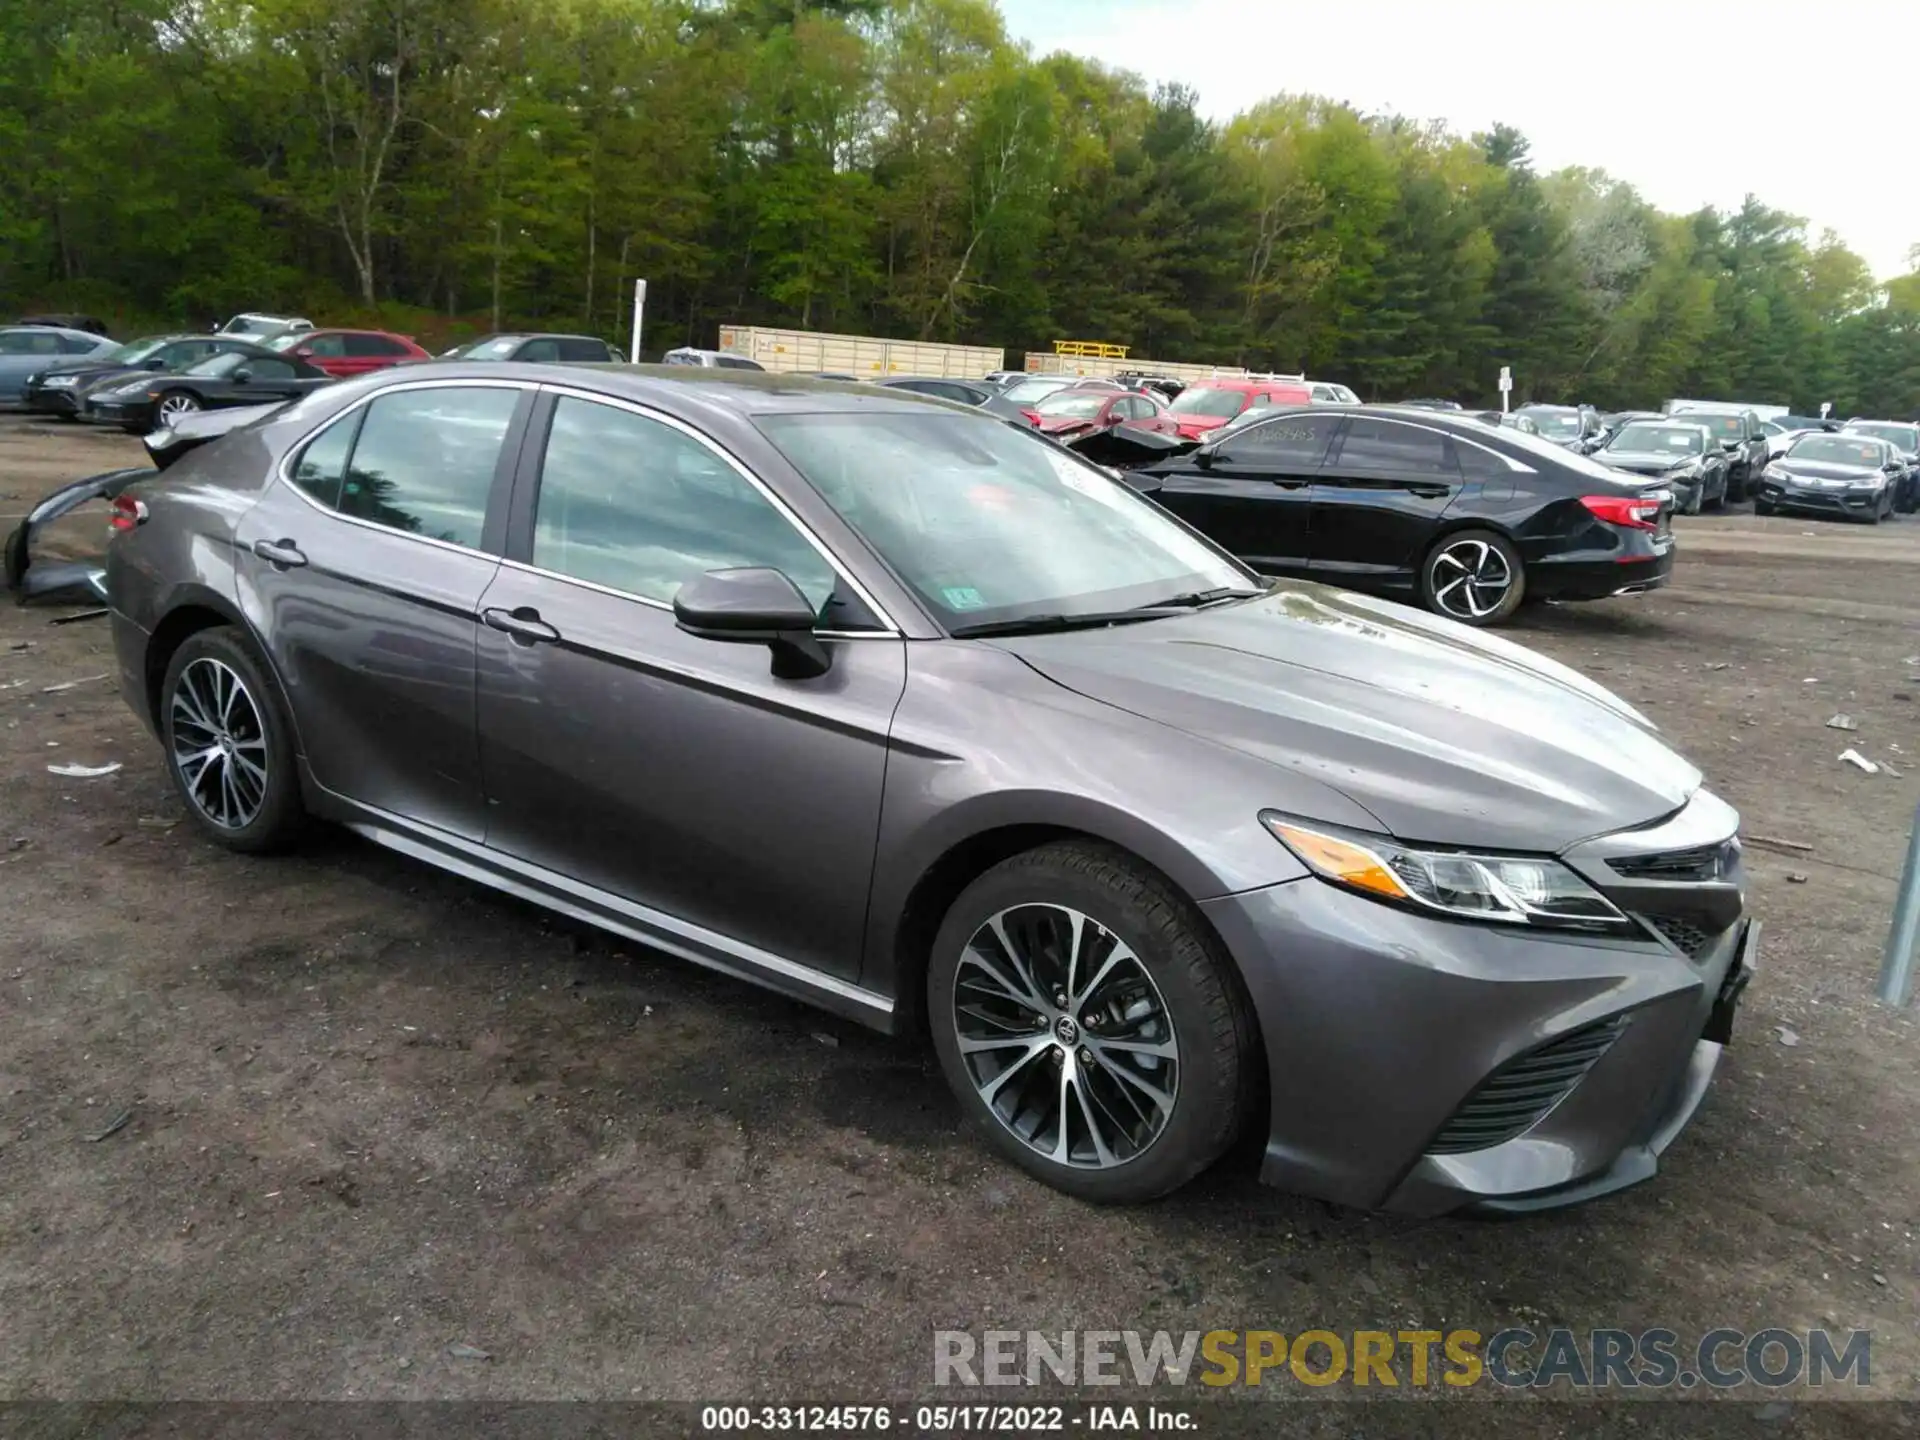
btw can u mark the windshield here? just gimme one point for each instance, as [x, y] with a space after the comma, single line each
[131, 353]
[252, 325]
[1726, 427]
[1080, 404]
[285, 342]
[989, 523]
[1658, 440]
[1209, 400]
[1028, 391]
[1901, 437]
[1839, 450]
[1561, 424]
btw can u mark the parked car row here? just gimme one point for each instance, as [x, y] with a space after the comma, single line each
[250, 359]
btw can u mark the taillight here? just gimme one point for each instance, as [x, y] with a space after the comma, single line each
[1631, 511]
[127, 512]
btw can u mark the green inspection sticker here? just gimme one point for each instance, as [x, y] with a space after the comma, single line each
[962, 597]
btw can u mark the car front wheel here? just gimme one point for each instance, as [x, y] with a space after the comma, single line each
[174, 406]
[1475, 577]
[1090, 1027]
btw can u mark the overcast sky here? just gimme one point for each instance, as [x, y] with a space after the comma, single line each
[1815, 108]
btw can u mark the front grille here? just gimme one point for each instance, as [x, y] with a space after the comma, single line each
[1518, 1095]
[1689, 939]
[1699, 866]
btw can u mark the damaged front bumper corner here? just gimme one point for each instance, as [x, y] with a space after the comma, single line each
[69, 580]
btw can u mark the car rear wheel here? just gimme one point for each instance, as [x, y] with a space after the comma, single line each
[1091, 1029]
[175, 406]
[229, 745]
[1473, 576]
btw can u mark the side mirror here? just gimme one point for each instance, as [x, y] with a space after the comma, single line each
[242, 375]
[153, 363]
[754, 606]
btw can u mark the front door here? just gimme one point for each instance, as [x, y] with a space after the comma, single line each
[1378, 500]
[677, 773]
[1251, 491]
[363, 577]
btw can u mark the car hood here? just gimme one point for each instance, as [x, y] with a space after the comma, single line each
[1443, 733]
[1190, 423]
[1062, 424]
[1825, 470]
[1640, 464]
[79, 367]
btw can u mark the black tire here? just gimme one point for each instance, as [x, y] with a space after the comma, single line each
[279, 817]
[1719, 501]
[1696, 502]
[1441, 569]
[1201, 997]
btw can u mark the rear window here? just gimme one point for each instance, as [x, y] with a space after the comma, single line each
[1210, 400]
[370, 345]
[585, 350]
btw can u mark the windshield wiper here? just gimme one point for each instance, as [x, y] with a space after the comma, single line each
[1050, 624]
[1194, 599]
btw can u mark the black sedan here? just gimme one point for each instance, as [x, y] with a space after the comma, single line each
[62, 389]
[1904, 437]
[1853, 476]
[1745, 443]
[1680, 452]
[570, 349]
[1428, 506]
[242, 374]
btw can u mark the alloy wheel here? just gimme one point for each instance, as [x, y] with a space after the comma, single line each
[1470, 579]
[1065, 1036]
[172, 408]
[219, 744]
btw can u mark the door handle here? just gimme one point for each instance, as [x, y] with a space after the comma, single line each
[523, 625]
[281, 554]
[1288, 484]
[1428, 492]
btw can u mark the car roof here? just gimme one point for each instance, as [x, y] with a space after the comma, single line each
[1243, 382]
[56, 330]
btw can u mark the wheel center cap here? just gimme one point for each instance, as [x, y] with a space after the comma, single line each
[226, 745]
[1066, 1031]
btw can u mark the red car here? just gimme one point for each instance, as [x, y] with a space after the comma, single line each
[348, 352]
[1208, 404]
[1081, 408]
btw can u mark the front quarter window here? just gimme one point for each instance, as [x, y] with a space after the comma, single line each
[987, 523]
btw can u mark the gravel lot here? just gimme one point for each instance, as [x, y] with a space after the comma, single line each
[376, 1111]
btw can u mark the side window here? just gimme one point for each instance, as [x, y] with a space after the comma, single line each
[364, 346]
[585, 350]
[636, 505]
[1288, 441]
[424, 461]
[730, 362]
[333, 345]
[322, 466]
[1477, 463]
[269, 369]
[1391, 446]
[76, 345]
[542, 351]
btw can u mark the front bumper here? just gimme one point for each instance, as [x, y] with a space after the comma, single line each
[136, 415]
[1384, 1028]
[53, 402]
[1850, 503]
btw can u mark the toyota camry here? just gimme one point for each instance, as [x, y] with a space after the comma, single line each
[912, 714]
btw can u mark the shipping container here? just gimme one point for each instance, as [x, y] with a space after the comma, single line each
[1041, 363]
[864, 356]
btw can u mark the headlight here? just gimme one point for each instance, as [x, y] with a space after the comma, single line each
[57, 382]
[1685, 470]
[1506, 889]
[1774, 472]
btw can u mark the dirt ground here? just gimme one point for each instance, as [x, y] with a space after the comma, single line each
[373, 1111]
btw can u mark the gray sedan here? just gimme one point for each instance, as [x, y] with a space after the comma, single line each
[911, 714]
[26, 350]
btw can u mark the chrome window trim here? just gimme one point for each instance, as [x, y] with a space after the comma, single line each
[646, 412]
[283, 472]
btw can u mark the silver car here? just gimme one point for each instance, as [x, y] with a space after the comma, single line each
[902, 710]
[26, 350]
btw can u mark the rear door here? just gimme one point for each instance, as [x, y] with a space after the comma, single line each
[1378, 500]
[362, 569]
[367, 353]
[1252, 492]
